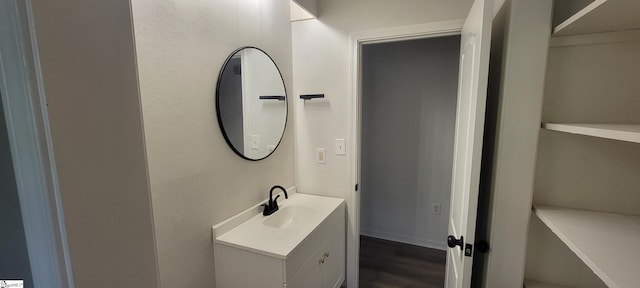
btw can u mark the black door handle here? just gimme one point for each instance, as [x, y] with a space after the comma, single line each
[482, 246]
[452, 242]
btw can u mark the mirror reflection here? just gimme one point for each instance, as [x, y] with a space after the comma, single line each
[251, 103]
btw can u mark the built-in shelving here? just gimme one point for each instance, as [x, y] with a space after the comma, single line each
[536, 284]
[602, 16]
[606, 242]
[590, 50]
[621, 132]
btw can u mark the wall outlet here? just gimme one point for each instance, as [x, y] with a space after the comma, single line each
[321, 156]
[340, 147]
[436, 209]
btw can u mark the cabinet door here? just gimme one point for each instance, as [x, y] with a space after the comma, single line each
[333, 251]
[310, 275]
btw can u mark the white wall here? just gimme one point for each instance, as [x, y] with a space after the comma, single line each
[580, 76]
[196, 179]
[310, 5]
[321, 65]
[409, 92]
[263, 118]
[89, 71]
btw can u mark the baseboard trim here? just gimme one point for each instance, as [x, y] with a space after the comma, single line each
[404, 239]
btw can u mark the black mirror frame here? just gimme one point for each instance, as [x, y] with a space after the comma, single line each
[218, 115]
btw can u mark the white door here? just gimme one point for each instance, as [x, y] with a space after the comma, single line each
[472, 95]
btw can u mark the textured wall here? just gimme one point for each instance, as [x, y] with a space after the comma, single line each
[89, 70]
[196, 179]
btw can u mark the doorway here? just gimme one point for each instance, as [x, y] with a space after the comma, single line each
[31, 203]
[408, 110]
[15, 259]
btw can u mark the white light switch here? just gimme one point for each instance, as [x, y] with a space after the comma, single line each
[340, 147]
[321, 156]
[255, 142]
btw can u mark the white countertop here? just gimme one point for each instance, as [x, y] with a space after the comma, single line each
[255, 236]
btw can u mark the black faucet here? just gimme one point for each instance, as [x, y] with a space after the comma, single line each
[272, 206]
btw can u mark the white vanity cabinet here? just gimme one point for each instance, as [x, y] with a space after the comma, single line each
[325, 268]
[300, 246]
[333, 267]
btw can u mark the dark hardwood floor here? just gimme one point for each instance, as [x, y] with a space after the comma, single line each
[387, 264]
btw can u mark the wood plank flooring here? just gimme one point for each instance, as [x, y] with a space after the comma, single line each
[388, 264]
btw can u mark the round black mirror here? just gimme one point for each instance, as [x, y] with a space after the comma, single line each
[251, 102]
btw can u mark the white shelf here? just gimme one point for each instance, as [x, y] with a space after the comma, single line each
[607, 242]
[602, 16]
[536, 284]
[622, 132]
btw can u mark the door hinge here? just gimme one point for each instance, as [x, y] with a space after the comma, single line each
[356, 187]
[468, 250]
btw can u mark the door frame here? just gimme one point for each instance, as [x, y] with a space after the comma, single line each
[356, 41]
[24, 102]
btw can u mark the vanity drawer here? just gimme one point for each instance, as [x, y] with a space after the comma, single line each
[237, 268]
[326, 267]
[309, 245]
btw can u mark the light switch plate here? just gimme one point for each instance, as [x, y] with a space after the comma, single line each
[255, 142]
[341, 148]
[321, 156]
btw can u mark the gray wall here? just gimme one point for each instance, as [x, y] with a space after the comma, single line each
[87, 55]
[408, 124]
[14, 260]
